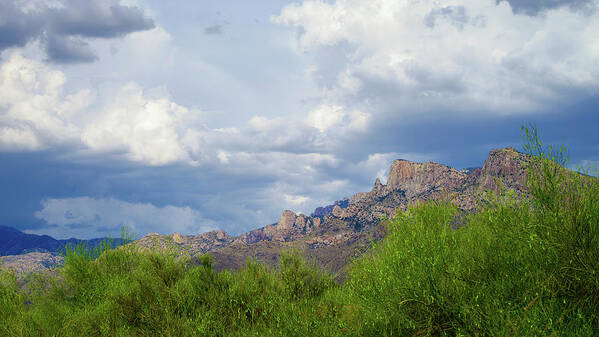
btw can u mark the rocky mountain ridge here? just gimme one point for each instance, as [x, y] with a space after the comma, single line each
[334, 234]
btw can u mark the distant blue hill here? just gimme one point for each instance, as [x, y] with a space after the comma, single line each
[14, 242]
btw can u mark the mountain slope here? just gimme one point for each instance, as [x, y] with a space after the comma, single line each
[334, 234]
[14, 242]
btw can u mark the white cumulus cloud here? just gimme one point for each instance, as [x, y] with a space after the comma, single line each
[145, 128]
[34, 111]
[37, 113]
[327, 116]
[403, 56]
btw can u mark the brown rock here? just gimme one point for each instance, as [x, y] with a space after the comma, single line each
[377, 185]
[287, 219]
[419, 178]
[507, 165]
[191, 244]
[337, 211]
[357, 197]
[300, 221]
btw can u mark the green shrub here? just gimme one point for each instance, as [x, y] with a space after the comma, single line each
[12, 302]
[300, 279]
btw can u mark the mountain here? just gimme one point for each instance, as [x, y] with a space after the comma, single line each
[24, 252]
[15, 242]
[332, 235]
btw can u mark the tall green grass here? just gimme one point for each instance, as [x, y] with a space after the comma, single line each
[518, 267]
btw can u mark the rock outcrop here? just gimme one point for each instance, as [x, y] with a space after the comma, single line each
[322, 211]
[507, 165]
[410, 182]
[422, 179]
[290, 227]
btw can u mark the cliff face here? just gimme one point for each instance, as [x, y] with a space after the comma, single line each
[422, 179]
[291, 227]
[507, 164]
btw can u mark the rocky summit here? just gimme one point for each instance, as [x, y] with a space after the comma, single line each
[332, 235]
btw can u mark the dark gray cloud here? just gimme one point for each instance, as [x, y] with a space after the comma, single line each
[64, 30]
[533, 7]
[68, 49]
[17, 28]
[214, 30]
[92, 19]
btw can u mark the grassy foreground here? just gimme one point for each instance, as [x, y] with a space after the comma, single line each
[517, 268]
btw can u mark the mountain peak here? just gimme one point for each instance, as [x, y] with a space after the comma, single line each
[378, 185]
[509, 165]
[417, 178]
[287, 219]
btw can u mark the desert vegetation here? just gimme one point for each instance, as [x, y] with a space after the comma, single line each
[518, 266]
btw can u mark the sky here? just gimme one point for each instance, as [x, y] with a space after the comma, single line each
[189, 116]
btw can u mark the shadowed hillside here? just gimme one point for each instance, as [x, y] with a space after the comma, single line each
[14, 242]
